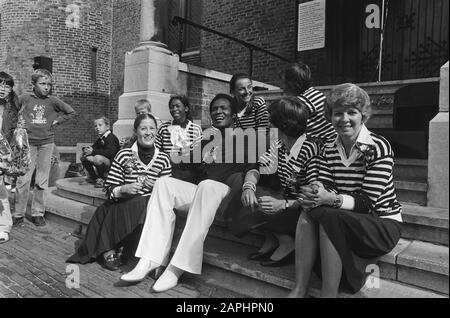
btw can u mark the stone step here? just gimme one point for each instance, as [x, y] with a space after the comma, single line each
[412, 192]
[73, 214]
[425, 265]
[389, 269]
[425, 224]
[226, 265]
[67, 212]
[70, 188]
[411, 170]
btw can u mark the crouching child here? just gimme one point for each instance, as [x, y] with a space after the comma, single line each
[96, 159]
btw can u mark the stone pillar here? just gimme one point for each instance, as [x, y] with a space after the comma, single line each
[151, 70]
[438, 159]
[154, 22]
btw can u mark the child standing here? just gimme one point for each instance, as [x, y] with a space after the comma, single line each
[97, 158]
[41, 114]
[8, 122]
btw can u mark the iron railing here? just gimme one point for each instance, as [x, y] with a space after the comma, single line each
[180, 22]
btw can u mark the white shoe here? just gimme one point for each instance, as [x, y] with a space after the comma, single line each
[142, 269]
[4, 237]
[167, 281]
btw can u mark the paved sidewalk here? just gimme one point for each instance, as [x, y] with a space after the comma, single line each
[32, 265]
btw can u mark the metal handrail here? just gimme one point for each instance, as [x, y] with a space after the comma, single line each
[180, 21]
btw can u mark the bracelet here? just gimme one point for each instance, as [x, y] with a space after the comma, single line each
[249, 185]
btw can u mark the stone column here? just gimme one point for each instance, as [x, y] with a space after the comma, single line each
[151, 70]
[438, 176]
[154, 30]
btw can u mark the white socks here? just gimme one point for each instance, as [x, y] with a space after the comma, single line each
[142, 269]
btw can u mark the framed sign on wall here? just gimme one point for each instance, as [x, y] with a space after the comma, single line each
[311, 25]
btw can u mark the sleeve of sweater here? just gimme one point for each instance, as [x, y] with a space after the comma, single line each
[109, 150]
[66, 112]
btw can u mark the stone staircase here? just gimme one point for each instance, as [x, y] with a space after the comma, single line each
[416, 268]
[410, 179]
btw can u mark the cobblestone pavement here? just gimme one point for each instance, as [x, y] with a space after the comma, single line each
[32, 265]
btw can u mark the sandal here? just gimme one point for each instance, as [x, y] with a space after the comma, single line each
[4, 237]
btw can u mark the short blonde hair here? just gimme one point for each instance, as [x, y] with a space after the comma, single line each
[144, 102]
[40, 72]
[105, 120]
[348, 95]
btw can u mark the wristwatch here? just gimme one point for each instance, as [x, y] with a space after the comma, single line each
[337, 202]
[286, 205]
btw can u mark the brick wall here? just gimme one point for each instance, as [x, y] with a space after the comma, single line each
[269, 24]
[125, 38]
[200, 90]
[32, 28]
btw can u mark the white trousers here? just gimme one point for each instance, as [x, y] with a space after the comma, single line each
[200, 201]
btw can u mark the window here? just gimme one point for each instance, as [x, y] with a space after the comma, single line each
[94, 64]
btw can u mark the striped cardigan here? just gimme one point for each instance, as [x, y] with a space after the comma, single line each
[127, 168]
[295, 171]
[317, 125]
[163, 141]
[257, 118]
[370, 175]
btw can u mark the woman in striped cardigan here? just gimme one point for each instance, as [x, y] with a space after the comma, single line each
[252, 110]
[275, 210]
[128, 186]
[179, 137]
[355, 216]
[296, 80]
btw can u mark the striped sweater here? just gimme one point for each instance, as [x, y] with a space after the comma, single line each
[317, 125]
[294, 170]
[257, 118]
[127, 168]
[163, 140]
[369, 174]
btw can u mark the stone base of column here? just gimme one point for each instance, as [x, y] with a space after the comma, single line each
[438, 176]
[159, 101]
[151, 68]
[123, 128]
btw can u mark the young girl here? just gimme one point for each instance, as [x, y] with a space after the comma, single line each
[8, 122]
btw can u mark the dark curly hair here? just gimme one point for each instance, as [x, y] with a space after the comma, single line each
[228, 98]
[297, 78]
[185, 101]
[289, 115]
[7, 79]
